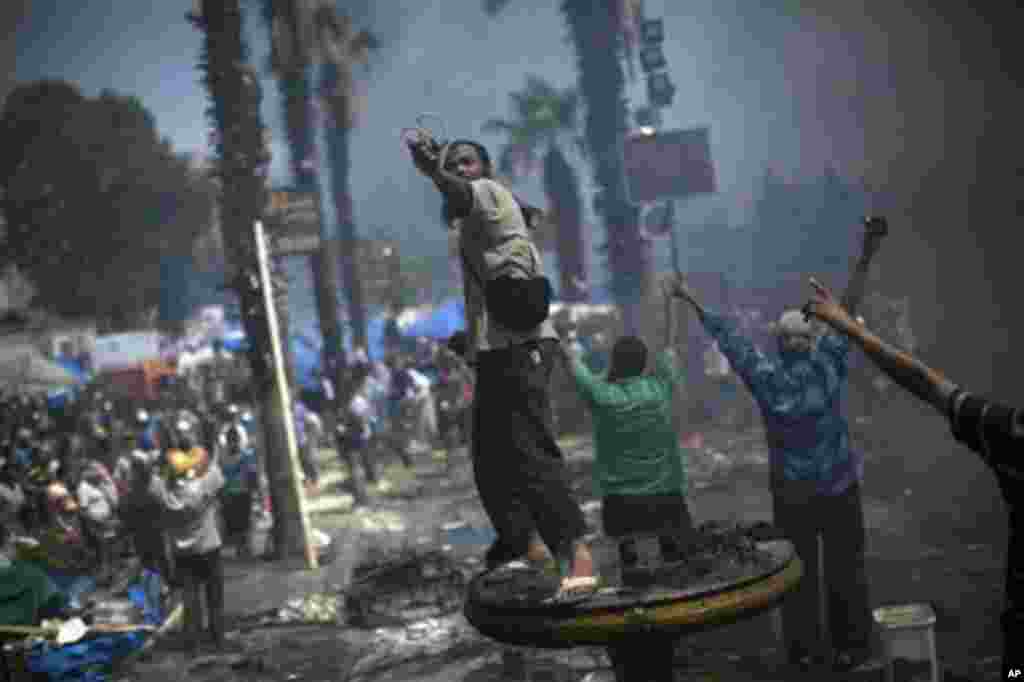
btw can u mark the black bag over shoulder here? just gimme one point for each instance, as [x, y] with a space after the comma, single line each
[520, 305]
[517, 304]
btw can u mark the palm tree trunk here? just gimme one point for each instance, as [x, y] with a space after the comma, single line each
[293, 83]
[602, 85]
[563, 191]
[242, 161]
[338, 153]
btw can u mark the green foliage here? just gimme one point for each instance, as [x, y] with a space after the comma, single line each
[541, 113]
[94, 198]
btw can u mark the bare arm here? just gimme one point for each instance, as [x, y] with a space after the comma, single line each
[904, 369]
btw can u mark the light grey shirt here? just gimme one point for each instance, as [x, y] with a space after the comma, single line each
[495, 241]
[190, 510]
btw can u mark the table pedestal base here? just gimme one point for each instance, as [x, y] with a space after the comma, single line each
[643, 659]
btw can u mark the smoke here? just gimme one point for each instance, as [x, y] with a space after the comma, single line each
[917, 103]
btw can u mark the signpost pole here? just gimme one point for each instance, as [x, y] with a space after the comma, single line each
[282, 390]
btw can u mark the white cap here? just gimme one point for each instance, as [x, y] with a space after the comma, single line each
[794, 322]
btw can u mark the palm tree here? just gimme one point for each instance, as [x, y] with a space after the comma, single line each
[341, 48]
[596, 28]
[543, 114]
[241, 166]
[288, 22]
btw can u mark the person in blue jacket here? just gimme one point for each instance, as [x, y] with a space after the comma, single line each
[815, 473]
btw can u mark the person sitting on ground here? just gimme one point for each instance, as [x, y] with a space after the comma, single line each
[993, 430]
[815, 474]
[639, 467]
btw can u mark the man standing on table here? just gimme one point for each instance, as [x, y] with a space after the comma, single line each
[519, 469]
[815, 474]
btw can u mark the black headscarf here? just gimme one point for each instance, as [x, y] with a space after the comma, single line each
[629, 358]
[532, 215]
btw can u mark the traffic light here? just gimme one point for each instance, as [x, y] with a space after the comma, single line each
[652, 58]
[652, 31]
[660, 90]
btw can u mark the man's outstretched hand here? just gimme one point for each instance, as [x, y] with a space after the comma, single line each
[824, 306]
[424, 158]
[875, 229]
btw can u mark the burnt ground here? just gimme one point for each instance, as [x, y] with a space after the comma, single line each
[936, 533]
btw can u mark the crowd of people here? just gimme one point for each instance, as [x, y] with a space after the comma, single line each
[176, 481]
[86, 485]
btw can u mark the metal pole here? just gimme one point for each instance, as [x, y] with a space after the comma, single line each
[671, 218]
[282, 390]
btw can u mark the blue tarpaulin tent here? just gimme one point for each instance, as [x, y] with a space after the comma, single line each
[445, 320]
[305, 354]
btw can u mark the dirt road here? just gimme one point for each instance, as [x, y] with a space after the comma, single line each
[961, 578]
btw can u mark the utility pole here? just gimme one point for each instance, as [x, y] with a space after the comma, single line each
[283, 394]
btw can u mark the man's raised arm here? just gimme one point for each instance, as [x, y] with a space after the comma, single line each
[903, 368]
[457, 192]
[875, 229]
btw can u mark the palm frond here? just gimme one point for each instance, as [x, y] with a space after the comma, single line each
[494, 7]
[497, 125]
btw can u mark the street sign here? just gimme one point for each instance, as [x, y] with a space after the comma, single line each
[668, 165]
[296, 245]
[293, 218]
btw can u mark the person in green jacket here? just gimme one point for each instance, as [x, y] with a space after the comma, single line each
[640, 468]
[27, 595]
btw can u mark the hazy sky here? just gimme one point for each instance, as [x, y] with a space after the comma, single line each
[446, 57]
[915, 100]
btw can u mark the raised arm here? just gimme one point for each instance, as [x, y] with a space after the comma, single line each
[457, 192]
[874, 230]
[903, 368]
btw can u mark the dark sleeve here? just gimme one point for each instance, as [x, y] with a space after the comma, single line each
[987, 428]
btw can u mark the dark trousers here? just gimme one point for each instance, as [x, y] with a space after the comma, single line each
[519, 469]
[308, 461]
[802, 516]
[666, 516]
[202, 575]
[236, 510]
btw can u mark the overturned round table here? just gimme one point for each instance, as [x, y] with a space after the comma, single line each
[640, 626]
